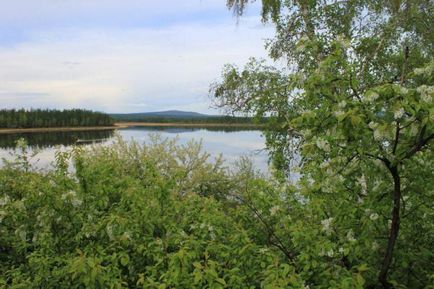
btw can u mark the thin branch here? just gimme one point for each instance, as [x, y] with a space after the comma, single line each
[419, 145]
[395, 145]
[270, 232]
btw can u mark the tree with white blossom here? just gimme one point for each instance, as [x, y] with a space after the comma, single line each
[355, 102]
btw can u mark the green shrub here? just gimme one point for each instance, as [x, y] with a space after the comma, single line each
[161, 215]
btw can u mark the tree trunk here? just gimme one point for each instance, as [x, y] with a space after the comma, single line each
[394, 229]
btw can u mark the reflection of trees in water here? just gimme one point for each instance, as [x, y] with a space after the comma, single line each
[174, 129]
[49, 139]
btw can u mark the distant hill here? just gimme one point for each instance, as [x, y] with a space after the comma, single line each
[172, 114]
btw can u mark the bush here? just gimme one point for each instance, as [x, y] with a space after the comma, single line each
[161, 215]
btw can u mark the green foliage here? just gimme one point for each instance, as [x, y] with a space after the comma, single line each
[161, 215]
[52, 118]
[353, 108]
[131, 216]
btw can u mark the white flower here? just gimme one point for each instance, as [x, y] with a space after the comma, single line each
[338, 113]
[306, 132]
[342, 104]
[419, 71]
[378, 135]
[212, 235]
[350, 236]
[324, 165]
[4, 200]
[323, 144]
[274, 210]
[373, 216]
[364, 185]
[326, 225]
[330, 253]
[109, 230]
[403, 90]
[375, 246]
[341, 250]
[371, 96]
[373, 125]
[399, 113]
[126, 235]
[70, 194]
[426, 92]
[76, 202]
[426, 98]
[263, 250]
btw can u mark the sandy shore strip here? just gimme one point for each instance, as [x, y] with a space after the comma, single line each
[125, 125]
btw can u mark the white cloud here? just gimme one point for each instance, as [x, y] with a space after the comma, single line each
[124, 69]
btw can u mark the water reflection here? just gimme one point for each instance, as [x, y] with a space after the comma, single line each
[183, 129]
[232, 143]
[50, 139]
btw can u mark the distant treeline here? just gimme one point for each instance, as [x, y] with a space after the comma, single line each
[35, 118]
[196, 120]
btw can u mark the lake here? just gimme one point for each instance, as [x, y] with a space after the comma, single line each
[232, 143]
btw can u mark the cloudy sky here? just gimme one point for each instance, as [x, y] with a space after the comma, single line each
[120, 55]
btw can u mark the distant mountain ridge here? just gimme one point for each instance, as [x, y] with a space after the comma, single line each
[179, 116]
[157, 114]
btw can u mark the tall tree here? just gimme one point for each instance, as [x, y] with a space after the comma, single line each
[355, 101]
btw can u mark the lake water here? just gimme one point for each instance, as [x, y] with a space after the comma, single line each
[232, 143]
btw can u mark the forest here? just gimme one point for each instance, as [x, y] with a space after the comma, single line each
[36, 118]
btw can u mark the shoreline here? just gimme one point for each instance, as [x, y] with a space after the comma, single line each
[121, 125]
[180, 124]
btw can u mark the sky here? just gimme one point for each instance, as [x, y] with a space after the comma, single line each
[121, 55]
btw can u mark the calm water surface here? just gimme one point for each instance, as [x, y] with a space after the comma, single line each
[231, 143]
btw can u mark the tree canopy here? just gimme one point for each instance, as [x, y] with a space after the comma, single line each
[21, 118]
[353, 104]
